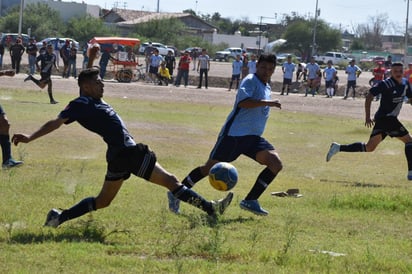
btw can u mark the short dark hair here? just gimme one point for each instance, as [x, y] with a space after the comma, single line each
[87, 74]
[397, 64]
[270, 58]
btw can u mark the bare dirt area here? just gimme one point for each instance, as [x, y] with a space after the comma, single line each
[295, 102]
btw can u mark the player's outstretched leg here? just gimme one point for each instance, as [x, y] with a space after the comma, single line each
[334, 148]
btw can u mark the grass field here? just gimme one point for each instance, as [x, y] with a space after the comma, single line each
[354, 216]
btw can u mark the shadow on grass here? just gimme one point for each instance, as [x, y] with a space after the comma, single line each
[358, 184]
[205, 220]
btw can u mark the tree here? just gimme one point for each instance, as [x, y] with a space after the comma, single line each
[370, 34]
[85, 28]
[165, 30]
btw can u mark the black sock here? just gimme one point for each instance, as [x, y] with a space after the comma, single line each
[194, 176]
[189, 196]
[408, 153]
[5, 147]
[262, 182]
[355, 147]
[84, 206]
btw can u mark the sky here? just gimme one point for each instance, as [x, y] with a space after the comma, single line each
[341, 14]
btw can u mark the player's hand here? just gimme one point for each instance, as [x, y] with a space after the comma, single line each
[277, 104]
[369, 122]
[20, 138]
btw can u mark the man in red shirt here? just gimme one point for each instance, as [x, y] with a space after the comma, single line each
[378, 73]
[408, 73]
[183, 69]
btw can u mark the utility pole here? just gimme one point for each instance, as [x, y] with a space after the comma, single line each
[314, 30]
[21, 16]
[406, 32]
[158, 6]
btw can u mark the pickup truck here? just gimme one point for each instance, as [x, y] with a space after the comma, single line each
[227, 54]
[335, 57]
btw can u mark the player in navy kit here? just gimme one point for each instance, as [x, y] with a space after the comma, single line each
[241, 134]
[124, 157]
[393, 91]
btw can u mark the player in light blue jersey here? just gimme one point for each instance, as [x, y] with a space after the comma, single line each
[236, 70]
[329, 73]
[288, 68]
[353, 72]
[312, 70]
[241, 134]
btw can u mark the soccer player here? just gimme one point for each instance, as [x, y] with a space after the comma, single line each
[312, 70]
[124, 156]
[287, 68]
[393, 91]
[241, 134]
[47, 62]
[329, 73]
[353, 72]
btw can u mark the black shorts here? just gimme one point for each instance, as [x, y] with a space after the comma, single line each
[229, 148]
[45, 77]
[329, 84]
[389, 125]
[235, 77]
[153, 70]
[138, 160]
[287, 81]
[351, 84]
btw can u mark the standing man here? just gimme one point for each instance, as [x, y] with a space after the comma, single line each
[71, 63]
[287, 68]
[388, 62]
[148, 51]
[393, 91]
[329, 73]
[252, 64]
[47, 62]
[170, 63]
[312, 71]
[124, 156]
[16, 52]
[203, 67]
[242, 134]
[32, 54]
[1, 54]
[65, 54]
[353, 72]
[236, 71]
[183, 69]
[155, 61]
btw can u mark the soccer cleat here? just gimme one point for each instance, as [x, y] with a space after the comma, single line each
[174, 203]
[254, 207]
[29, 77]
[11, 163]
[409, 176]
[53, 218]
[334, 148]
[53, 102]
[220, 205]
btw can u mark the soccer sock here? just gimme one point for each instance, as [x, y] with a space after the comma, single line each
[194, 176]
[5, 147]
[84, 206]
[262, 182]
[189, 196]
[37, 82]
[50, 91]
[328, 91]
[408, 153]
[332, 92]
[355, 147]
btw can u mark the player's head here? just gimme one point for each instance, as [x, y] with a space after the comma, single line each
[90, 83]
[49, 48]
[397, 71]
[265, 67]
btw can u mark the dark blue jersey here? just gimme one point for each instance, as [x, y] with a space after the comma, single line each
[47, 61]
[99, 117]
[393, 95]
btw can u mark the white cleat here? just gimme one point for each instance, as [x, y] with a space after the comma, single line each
[334, 148]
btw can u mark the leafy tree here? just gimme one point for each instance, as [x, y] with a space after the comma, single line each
[165, 30]
[370, 34]
[85, 28]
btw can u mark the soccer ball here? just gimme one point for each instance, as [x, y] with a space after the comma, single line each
[223, 176]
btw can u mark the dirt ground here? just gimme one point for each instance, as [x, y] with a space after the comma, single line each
[214, 95]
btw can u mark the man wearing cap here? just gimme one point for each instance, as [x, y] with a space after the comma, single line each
[65, 54]
[31, 50]
[47, 62]
[353, 72]
[16, 51]
[124, 156]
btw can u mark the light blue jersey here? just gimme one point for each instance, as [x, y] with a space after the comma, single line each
[155, 60]
[351, 71]
[288, 69]
[237, 67]
[312, 70]
[329, 73]
[252, 66]
[248, 121]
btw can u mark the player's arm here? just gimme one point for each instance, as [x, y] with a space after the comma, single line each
[252, 103]
[368, 102]
[43, 130]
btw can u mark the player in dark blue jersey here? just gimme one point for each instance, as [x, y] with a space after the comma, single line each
[124, 157]
[393, 92]
[47, 62]
[242, 134]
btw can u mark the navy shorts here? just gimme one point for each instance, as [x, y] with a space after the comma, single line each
[138, 160]
[45, 77]
[351, 84]
[235, 77]
[329, 84]
[287, 81]
[229, 148]
[154, 70]
[389, 125]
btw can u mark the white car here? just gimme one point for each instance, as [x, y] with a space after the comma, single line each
[52, 40]
[163, 50]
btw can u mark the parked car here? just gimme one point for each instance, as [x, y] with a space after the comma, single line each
[281, 57]
[163, 50]
[227, 54]
[176, 51]
[52, 40]
[12, 38]
[335, 57]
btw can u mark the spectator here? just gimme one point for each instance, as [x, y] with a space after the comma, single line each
[329, 73]
[203, 68]
[183, 69]
[164, 75]
[245, 68]
[170, 63]
[32, 54]
[43, 49]
[131, 57]
[408, 73]
[72, 63]
[104, 60]
[1, 54]
[64, 54]
[388, 62]
[16, 51]
[236, 70]
[85, 56]
[288, 68]
[252, 64]
[301, 72]
[194, 54]
[148, 51]
[312, 71]
[353, 72]
[56, 46]
[155, 61]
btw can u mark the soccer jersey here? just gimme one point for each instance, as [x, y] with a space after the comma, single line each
[236, 67]
[252, 66]
[312, 70]
[98, 117]
[248, 121]
[392, 98]
[288, 69]
[47, 62]
[351, 71]
[155, 60]
[329, 73]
